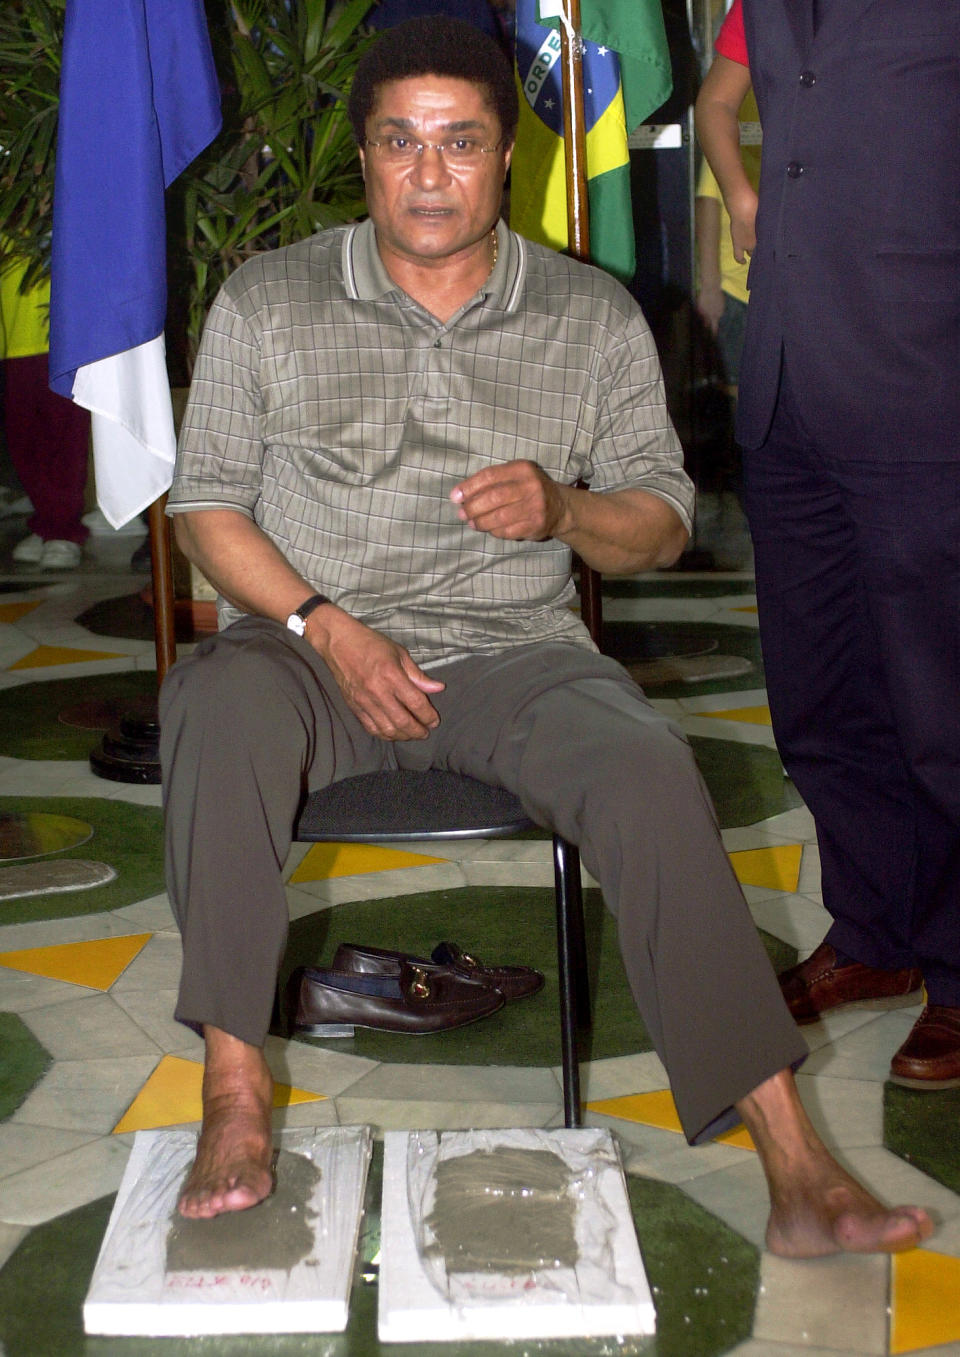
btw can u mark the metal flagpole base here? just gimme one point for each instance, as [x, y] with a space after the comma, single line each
[130, 751]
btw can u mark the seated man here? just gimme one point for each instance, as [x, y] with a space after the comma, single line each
[376, 471]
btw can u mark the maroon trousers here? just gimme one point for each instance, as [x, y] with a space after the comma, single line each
[48, 439]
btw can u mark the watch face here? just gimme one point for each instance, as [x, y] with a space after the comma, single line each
[296, 624]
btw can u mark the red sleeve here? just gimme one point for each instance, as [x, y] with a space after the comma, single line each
[731, 40]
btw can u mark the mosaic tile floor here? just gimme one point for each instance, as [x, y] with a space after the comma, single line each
[89, 959]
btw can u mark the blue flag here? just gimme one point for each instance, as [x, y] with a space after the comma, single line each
[139, 100]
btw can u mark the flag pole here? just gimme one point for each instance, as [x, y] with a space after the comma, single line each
[578, 228]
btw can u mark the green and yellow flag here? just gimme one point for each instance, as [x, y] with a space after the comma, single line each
[626, 75]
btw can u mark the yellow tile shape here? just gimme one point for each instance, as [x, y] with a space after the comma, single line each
[777, 868]
[12, 612]
[172, 1095]
[326, 860]
[752, 716]
[658, 1109]
[44, 656]
[746, 608]
[924, 1300]
[96, 964]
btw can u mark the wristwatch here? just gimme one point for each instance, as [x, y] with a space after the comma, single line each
[297, 621]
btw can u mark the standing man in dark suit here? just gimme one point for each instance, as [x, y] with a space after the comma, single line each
[850, 411]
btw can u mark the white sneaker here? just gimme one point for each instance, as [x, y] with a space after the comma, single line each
[60, 555]
[29, 551]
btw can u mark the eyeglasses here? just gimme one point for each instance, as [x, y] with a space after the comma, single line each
[465, 152]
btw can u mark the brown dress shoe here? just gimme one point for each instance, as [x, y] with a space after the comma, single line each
[415, 1000]
[930, 1056]
[821, 984]
[513, 982]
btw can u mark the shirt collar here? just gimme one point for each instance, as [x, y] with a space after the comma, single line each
[366, 279]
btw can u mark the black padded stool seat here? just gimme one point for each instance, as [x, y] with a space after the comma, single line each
[398, 805]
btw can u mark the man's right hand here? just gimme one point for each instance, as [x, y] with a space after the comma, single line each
[383, 687]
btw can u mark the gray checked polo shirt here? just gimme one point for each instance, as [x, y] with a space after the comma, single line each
[339, 414]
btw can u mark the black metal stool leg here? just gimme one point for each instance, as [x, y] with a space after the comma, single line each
[571, 953]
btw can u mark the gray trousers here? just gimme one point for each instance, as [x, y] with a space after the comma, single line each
[253, 720]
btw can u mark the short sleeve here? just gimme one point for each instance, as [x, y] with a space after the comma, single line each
[732, 40]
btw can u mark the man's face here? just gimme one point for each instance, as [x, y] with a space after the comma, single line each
[431, 210]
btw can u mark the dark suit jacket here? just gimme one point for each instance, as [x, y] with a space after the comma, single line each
[856, 274]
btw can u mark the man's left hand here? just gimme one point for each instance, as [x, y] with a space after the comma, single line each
[516, 501]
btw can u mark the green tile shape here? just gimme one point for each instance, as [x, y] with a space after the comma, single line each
[23, 1063]
[128, 837]
[29, 728]
[924, 1129]
[629, 642]
[502, 925]
[746, 781]
[704, 1279]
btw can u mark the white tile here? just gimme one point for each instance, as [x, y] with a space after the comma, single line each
[315, 1068]
[619, 1076]
[156, 966]
[845, 1112]
[60, 1185]
[153, 914]
[397, 1115]
[866, 1051]
[793, 918]
[651, 1152]
[797, 823]
[745, 697]
[91, 1028]
[835, 1303]
[508, 874]
[738, 1195]
[22, 1146]
[10, 1237]
[152, 1011]
[54, 932]
[324, 1112]
[467, 1085]
[86, 1095]
[20, 993]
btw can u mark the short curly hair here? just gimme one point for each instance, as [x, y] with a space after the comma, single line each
[434, 45]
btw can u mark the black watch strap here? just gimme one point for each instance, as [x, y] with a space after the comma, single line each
[312, 602]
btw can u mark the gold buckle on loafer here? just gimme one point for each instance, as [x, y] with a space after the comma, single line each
[420, 986]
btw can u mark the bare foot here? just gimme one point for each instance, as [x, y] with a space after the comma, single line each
[232, 1170]
[816, 1207]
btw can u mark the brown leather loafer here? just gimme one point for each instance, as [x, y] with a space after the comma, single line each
[822, 985]
[414, 1000]
[930, 1056]
[513, 982]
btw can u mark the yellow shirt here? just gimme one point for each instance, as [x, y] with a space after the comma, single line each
[733, 276]
[24, 316]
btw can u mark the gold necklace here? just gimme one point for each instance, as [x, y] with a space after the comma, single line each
[496, 248]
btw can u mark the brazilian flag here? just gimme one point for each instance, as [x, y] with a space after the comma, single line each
[626, 75]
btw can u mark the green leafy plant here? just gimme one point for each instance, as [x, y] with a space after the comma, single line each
[31, 35]
[283, 166]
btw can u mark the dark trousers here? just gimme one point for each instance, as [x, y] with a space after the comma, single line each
[858, 589]
[253, 719]
[48, 438]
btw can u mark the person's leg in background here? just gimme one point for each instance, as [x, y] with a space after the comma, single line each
[857, 588]
[48, 441]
